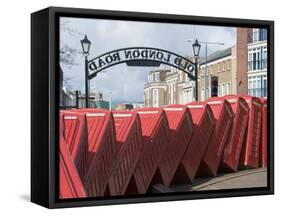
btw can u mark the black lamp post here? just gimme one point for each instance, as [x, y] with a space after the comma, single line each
[86, 44]
[196, 50]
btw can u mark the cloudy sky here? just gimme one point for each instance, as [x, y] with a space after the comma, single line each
[124, 83]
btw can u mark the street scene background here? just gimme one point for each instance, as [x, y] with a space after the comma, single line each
[236, 56]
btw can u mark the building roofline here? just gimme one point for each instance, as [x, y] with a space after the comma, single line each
[217, 55]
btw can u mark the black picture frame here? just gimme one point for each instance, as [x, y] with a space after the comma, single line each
[45, 105]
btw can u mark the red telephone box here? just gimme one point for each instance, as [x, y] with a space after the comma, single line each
[101, 150]
[223, 115]
[73, 130]
[70, 185]
[232, 152]
[250, 150]
[203, 124]
[129, 147]
[155, 138]
[263, 146]
[181, 129]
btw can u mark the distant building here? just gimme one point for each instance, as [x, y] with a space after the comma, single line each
[67, 98]
[97, 95]
[180, 88]
[168, 86]
[220, 74]
[101, 104]
[124, 106]
[155, 90]
[138, 105]
[95, 101]
[257, 63]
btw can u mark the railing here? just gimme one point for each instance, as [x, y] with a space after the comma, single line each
[258, 92]
[257, 65]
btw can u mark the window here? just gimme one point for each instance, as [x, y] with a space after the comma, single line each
[229, 65]
[172, 87]
[258, 82]
[185, 97]
[147, 95]
[255, 35]
[254, 61]
[227, 90]
[259, 35]
[201, 71]
[189, 96]
[264, 89]
[181, 98]
[263, 34]
[257, 86]
[149, 78]
[181, 76]
[250, 84]
[202, 94]
[155, 93]
[254, 82]
[264, 58]
[205, 71]
[219, 90]
[254, 86]
[223, 89]
[157, 77]
[258, 59]
[250, 60]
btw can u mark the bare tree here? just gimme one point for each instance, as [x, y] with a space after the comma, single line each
[68, 54]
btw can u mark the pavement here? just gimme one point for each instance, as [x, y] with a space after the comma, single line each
[241, 179]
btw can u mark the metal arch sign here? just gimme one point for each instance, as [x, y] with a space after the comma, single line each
[140, 56]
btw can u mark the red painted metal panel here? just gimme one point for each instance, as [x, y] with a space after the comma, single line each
[101, 150]
[250, 151]
[263, 146]
[70, 185]
[233, 147]
[204, 123]
[223, 115]
[129, 147]
[155, 137]
[73, 129]
[181, 129]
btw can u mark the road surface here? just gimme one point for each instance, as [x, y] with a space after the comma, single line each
[242, 179]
